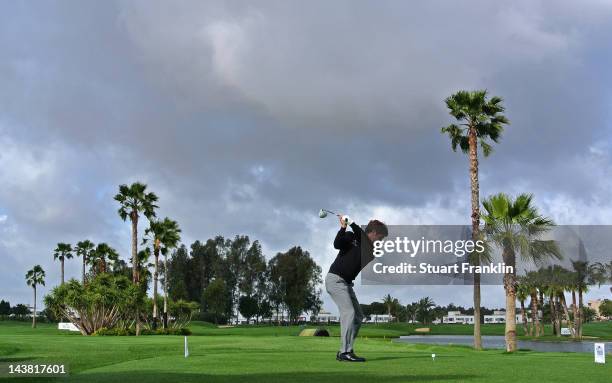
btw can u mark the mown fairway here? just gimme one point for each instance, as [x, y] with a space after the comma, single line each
[274, 355]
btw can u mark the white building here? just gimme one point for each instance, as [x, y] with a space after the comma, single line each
[499, 316]
[326, 317]
[379, 318]
[458, 317]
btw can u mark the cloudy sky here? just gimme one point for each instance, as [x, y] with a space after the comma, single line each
[247, 117]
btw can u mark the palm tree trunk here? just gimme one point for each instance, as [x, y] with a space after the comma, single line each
[84, 262]
[135, 264]
[134, 217]
[510, 331]
[477, 332]
[541, 300]
[62, 266]
[473, 143]
[553, 314]
[524, 317]
[565, 310]
[575, 314]
[34, 313]
[166, 291]
[155, 278]
[535, 321]
[580, 303]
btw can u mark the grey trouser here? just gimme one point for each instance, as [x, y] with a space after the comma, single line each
[350, 312]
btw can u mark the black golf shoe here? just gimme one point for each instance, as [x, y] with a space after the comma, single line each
[349, 357]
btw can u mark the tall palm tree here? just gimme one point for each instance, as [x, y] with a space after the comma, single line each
[516, 227]
[532, 282]
[160, 232]
[169, 238]
[154, 233]
[134, 200]
[35, 277]
[62, 252]
[388, 301]
[84, 249]
[479, 119]
[522, 293]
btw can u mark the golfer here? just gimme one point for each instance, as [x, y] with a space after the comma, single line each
[339, 280]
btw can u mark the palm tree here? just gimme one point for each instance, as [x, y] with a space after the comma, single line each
[153, 233]
[133, 200]
[84, 249]
[478, 119]
[515, 227]
[62, 251]
[553, 284]
[522, 293]
[169, 237]
[99, 257]
[411, 312]
[532, 282]
[423, 309]
[34, 277]
[388, 301]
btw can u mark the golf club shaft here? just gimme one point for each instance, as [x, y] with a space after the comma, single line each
[331, 212]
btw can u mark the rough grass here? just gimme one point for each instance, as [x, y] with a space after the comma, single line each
[268, 354]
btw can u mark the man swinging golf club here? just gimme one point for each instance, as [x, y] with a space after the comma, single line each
[339, 280]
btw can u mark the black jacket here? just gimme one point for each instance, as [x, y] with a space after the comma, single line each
[351, 259]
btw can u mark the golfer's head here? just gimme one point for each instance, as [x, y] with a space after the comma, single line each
[376, 230]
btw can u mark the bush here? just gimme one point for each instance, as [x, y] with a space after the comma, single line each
[98, 304]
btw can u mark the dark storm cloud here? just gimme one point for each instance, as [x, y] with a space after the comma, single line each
[246, 117]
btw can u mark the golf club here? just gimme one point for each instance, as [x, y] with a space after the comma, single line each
[323, 213]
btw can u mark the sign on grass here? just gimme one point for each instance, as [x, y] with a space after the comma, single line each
[600, 352]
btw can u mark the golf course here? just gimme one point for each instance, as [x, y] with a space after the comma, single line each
[277, 354]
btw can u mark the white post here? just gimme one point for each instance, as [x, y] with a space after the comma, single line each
[600, 352]
[186, 349]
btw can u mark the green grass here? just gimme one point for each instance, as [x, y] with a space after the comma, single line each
[270, 354]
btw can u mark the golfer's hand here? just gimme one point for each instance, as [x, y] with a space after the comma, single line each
[343, 223]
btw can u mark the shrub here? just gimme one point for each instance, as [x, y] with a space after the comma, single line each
[98, 304]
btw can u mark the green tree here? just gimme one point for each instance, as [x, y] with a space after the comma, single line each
[165, 235]
[478, 120]
[235, 263]
[214, 295]
[605, 308]
[170, 237]
[411, 312]
[424, 311]
[134, 200]
[297, 276]
[35, 277]
[99, 257]
[392, 305]
[154, 233]
[254, 265]
[5, 307]
[247, 306]
[177, 275]
[515, 226]
[522, 293]
[100, 303]
[62, 252]
[84, 249]
[20, 310]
